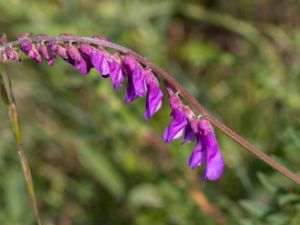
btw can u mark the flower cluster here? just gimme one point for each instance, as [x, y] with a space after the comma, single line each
[185, 123]
[141, 81]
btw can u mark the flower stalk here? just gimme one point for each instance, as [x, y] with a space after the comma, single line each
[89, 56]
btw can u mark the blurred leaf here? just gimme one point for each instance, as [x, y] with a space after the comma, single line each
[254, 208]
[265, 181]
[100, 166]
[145, 195]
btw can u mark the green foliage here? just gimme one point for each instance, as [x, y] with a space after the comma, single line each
[96, 161]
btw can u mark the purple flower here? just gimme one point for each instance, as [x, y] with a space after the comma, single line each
[207, 150]
[59, 50]
[179, 121]
[29, 49]
[189, 134]
[99, 59]
[12, 54]
[47, 54]
[115, 72]
[198, 155]
[81, 62]
[154, 95]
[136, 83]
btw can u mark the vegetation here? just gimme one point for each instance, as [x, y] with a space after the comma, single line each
[95, 161]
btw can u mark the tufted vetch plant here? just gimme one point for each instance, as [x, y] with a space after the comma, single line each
[143, 79]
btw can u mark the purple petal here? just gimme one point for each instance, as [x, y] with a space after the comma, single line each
[59, 50]
[130, 91]
[215, 165]
[214, 161]
[47, 54]
[176, 128]
[99, 60]
[198, 155]
[12, 54]
[153, 101]
[35, 55]
[136, 76]
[26, 46]
[189, 134]
[116, 73]
[208, 136]
[80, 61]
[87, 49]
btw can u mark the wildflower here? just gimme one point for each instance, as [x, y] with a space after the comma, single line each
[98, 58]
[47, 54]
[115, 72]
[136, 79]
[179, 120]
[154, 95]
[58, 49]
[207, 151]
[9, 54]
[81, 62]
[29, 49]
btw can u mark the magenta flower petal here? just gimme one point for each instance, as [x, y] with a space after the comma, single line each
[12, 54]
[136, 83]
[99, 60]
[116, 73]
[80, 62]
[153, 101]
[176, 129]
[47, 54]
[189, 134]
[59, 50]
[198, 156]
[130, 91]
[29, 49]
[214, 164]
[26, 46]
[214, 160]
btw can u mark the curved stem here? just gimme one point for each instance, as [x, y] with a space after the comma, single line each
[189, 98]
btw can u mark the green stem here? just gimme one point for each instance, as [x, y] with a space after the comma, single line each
[8, 98]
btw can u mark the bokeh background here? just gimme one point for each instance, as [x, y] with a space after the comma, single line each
[96, 161]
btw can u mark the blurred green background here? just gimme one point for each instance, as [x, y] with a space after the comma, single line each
[96, 161]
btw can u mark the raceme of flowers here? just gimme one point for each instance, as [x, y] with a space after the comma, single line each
[141, 82]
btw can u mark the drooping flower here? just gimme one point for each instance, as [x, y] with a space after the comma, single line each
[29, 49]
[59, 50]
[115, 72]
[99, 59]
[136, 79]
[12, 54]
[81, 62]
[140, 82]
[198, 155]
[154, 95]
[207, 151]
[47, 54]
[179, 120]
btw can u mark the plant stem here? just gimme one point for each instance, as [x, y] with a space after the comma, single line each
[184, 93]
[8, 97]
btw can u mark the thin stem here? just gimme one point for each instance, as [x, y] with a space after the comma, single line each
[6, 87]
[184, 93]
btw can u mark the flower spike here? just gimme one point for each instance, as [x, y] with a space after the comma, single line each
[141, 82]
